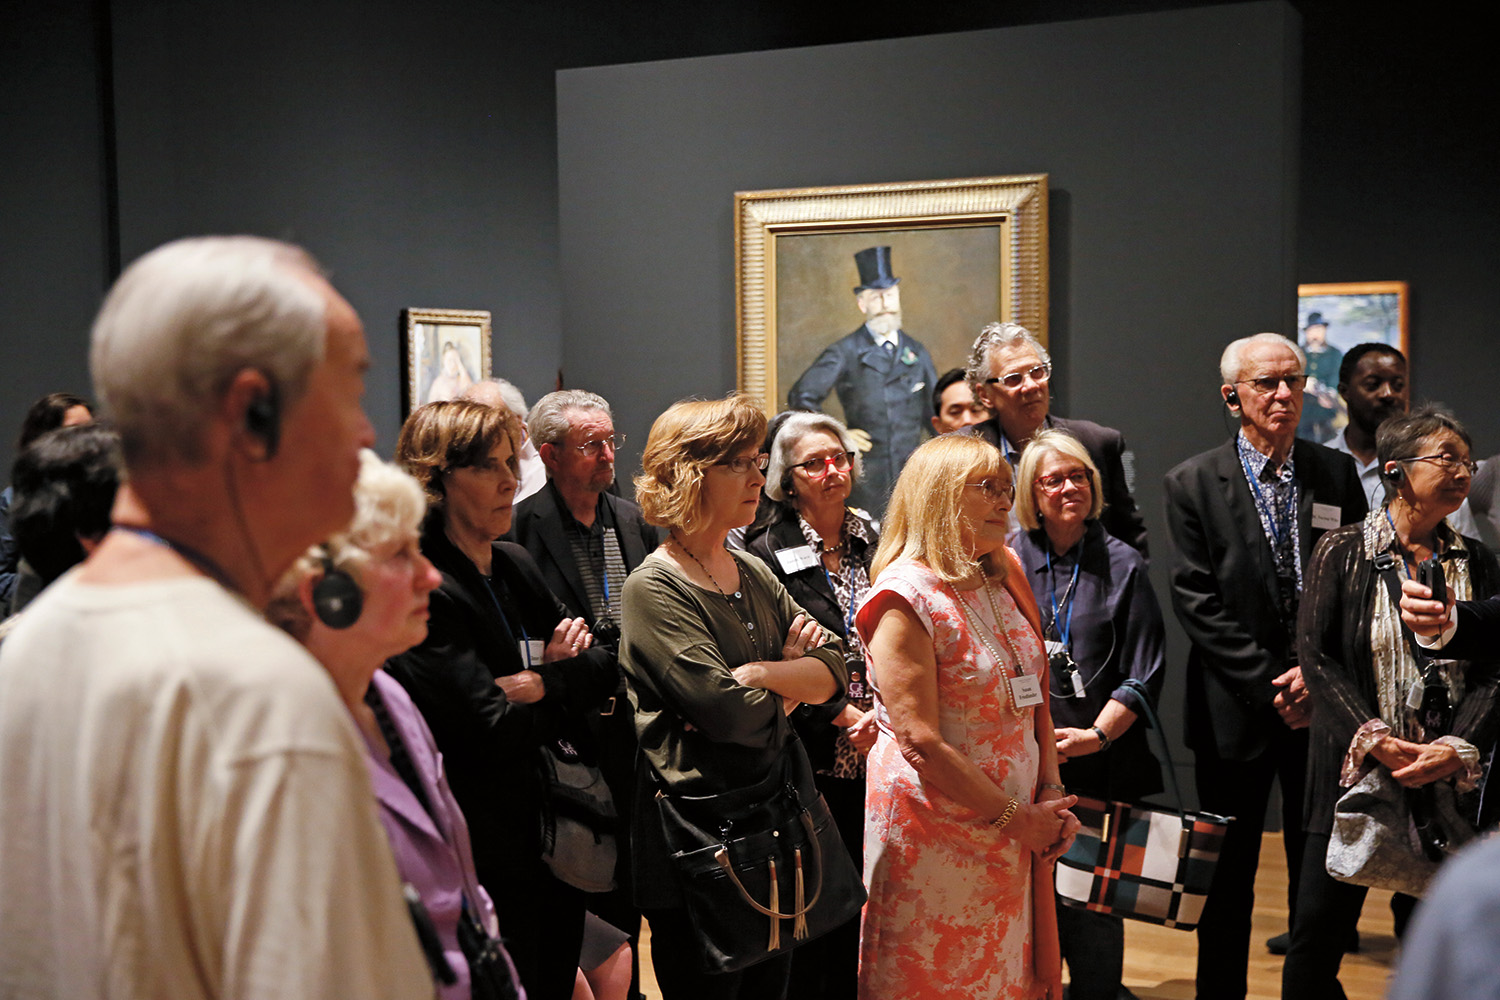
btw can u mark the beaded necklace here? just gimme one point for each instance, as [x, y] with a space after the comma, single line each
[986, 634]
[749, 625]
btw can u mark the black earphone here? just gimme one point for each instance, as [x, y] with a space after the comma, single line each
[337, 599]
[263, 418]
[1393, 476]
[1232, 398]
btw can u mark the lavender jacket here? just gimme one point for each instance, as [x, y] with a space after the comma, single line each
[432, 850]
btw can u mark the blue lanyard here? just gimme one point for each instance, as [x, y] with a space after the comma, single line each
[1067, 628]
[849, 614]
[1269, 505]
[525, 647]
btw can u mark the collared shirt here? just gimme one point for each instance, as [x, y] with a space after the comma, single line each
[1277, 495]
[1369, 472]
[603, 577]
[850, 582]
[893, 338]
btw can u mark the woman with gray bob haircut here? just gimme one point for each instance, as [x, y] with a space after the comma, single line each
[820, 549]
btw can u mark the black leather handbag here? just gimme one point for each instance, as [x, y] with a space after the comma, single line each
[752, 861]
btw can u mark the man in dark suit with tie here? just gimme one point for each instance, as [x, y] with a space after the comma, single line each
[883, 377]
[586, 540]
[1011, 374]
[1243, 519]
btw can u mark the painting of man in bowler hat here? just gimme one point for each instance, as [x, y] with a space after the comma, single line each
[883, 378]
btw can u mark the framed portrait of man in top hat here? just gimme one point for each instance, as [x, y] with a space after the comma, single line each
[852, 299]
[1332, 318]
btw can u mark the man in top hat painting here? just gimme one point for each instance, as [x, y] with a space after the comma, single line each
[1320, 405]
[883, 377]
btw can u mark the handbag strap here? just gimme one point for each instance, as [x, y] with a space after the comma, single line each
[1148, 709]
[721, 856]
[1385, 565]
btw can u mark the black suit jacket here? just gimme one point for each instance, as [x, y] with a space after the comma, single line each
[490, 745]
[539, 529]
[1225, 593]
[1106, 446]
[890, 398]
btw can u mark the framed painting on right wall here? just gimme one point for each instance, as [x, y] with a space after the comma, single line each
[1332, 318]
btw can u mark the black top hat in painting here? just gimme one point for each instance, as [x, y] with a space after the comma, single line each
[874, 266]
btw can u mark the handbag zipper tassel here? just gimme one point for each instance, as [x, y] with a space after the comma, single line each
[799, 926]
[775, 941]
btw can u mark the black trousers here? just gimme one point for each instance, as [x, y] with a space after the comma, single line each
[827, 968]
[674, 959]
[1327, 916]
[1242, 789]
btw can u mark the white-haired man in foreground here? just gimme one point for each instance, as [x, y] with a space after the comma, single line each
[186, 809]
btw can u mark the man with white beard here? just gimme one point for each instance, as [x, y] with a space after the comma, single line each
[883, 377]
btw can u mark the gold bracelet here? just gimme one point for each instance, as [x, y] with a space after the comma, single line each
[1059, 789]
[1004, 818]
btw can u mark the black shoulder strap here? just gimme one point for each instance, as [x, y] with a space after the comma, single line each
[1386, 564]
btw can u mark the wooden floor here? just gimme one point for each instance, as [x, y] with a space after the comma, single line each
[1159, 963]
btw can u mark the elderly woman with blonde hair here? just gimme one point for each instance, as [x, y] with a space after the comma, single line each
[965, 812]
[716, 654]
[1102, 625]
[354, 602]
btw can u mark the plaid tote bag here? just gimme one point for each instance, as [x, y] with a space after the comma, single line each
[1143, 862]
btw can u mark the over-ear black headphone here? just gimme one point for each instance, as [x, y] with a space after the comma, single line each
[263, 418]
[1232, 398]
[337, 599]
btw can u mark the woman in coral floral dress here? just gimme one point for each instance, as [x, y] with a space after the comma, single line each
[964, 812]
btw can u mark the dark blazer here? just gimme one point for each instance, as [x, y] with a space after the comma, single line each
[887, 397]
[538, 527]
[810, 588]
[490, 746]
[1333, 629]
[1478, 629]
[1224, 588]
[1106, 446]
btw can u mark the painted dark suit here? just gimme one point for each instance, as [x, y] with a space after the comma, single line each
[888, 395]
[1224, 591]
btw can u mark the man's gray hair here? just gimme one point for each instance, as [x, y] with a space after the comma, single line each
[1232, 361]
[792, 430]
[547, 423]
[183, 320]
[992, 338]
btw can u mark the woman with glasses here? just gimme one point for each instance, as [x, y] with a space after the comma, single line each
[820, 549]
[716, 654]
[1102, 625]
[966, 810]
[503, 672]
[1379, 703]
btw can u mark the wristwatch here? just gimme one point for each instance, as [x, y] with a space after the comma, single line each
[1104, 740]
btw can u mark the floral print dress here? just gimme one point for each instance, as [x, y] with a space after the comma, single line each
[950, 907]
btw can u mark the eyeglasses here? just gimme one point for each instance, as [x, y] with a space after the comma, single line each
[740, 466]
[1081, 478]
[817, 468]
[1448, 463]
[1267, 385]
[994, 492]
[594, 448]
[1037, 374]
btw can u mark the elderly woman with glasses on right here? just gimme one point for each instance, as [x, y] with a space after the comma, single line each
[1102, 624]
[1358, 664]
[965, 811]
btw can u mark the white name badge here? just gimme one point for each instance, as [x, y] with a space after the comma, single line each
[531, 651]
[1325, 515]
[796, 558]
[1026, 691]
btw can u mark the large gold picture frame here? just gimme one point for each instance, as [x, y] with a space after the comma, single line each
[971, 251]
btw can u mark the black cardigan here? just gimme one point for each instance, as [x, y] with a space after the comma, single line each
[1333, 625]
[490, 745]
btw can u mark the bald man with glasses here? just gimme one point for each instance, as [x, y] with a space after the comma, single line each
[1011, 374]
[1244, 518]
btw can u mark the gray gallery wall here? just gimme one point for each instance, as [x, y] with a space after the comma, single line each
[1169, 138]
